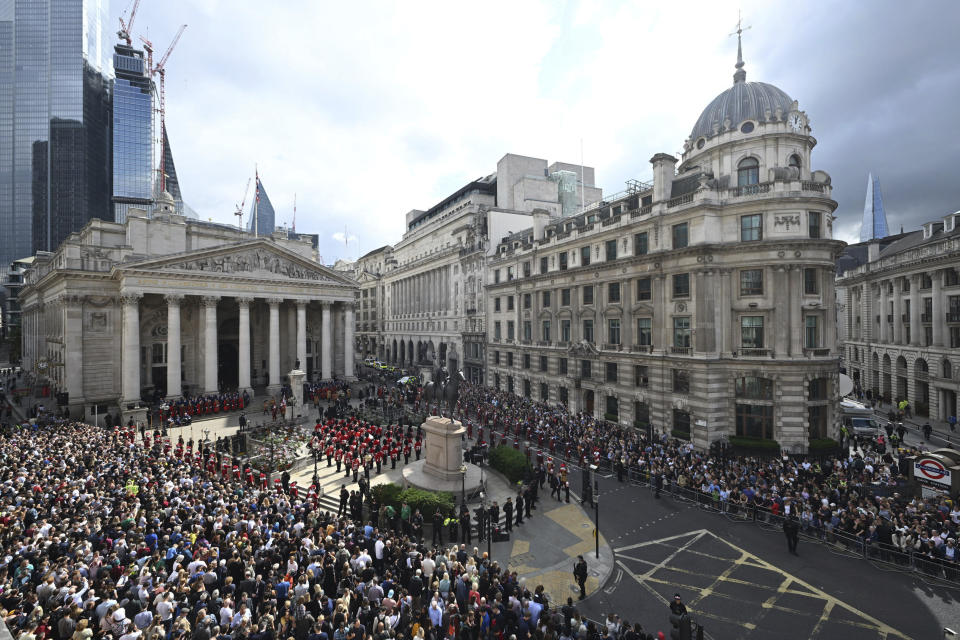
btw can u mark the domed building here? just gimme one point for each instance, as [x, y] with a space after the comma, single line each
[701, 304]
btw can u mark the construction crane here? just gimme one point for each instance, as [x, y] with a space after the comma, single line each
[126, 27]
[239, 211]
[161, 69]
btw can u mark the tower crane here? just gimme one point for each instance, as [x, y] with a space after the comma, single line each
[126, 27]
[239, 211]
[161, 69]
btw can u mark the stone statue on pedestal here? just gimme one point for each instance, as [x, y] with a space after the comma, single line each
[443, 388]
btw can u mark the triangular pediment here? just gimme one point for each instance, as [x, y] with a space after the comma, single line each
[256, 259]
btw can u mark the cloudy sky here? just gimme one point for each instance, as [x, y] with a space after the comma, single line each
[368, 109]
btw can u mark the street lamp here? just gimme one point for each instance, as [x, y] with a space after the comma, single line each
[485, 522]
[463, 484]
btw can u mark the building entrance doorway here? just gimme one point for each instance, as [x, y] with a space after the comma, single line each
[949, 406]
[227, 366]
[588, 402]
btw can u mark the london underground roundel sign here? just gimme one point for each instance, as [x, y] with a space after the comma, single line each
[931, 471]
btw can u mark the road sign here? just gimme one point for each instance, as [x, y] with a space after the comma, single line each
[932, 472]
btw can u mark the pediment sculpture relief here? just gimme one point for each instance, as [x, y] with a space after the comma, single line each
[250, 262]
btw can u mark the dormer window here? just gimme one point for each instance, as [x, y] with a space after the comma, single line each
[746, 127]
[748, 172]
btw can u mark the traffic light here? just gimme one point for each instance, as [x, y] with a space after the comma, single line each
[681, 627]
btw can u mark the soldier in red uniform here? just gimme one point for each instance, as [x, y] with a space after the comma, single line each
[339, 457]
[516, 443]
[416, 447]
[263, 481]
[406, 452]
[347, 462]
[355, 467]
[329, 452]
[394, 456]
[378, 459]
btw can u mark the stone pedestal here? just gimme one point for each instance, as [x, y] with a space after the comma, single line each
[297, 378]
[135, 411]
[442, 468]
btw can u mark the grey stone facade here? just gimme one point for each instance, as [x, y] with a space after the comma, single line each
[163, 307]
[702, 303]
[901, 317]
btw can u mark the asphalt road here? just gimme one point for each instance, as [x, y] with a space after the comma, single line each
[739, 581]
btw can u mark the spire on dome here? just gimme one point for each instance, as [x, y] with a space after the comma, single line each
[740, 75]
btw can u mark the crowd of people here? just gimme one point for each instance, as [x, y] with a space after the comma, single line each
[861, 497]
[105, 536]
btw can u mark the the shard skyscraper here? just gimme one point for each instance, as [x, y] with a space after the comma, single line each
[874, 223]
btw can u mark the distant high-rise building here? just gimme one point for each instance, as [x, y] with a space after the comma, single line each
[874, 223]
[55, 143]
[133, 148]
[261, 212]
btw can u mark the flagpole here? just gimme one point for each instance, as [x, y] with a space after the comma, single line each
[256, 203]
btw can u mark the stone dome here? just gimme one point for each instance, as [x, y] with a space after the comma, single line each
[742, 101]
[165, 202]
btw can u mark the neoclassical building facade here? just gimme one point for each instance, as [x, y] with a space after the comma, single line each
[901, 317]
[162, 307]
[433, 311]
[702, 303]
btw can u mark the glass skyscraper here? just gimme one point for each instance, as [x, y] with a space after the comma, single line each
[133, 149]
[55, 112]
[261, 212]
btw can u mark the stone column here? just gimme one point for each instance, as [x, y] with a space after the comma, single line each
[659, 330]
[348, 328]
[830, 325]
[174, 388]
[73, 348]
[882, 312]
[326, 345]
[210, 344]
[131, 347]
[291, 348]
[795, 316]
[916, 304]
[938, 318]
[781, 314]
[302, 334]
[243, 357]
[866, 319]
[898, 311]
[722, 316]
[273, 384]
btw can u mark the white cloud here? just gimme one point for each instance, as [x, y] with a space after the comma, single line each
[343, 238]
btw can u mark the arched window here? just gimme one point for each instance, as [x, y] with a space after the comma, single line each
[748, 172]
[947, 369]
[794, 161]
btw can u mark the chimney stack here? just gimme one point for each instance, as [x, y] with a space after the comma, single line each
[541, 217]
[664, 168]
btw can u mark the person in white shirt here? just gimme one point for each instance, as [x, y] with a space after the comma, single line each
[226, 613]
[428, 565]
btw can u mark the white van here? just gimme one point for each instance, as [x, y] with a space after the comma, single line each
[860, 419]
